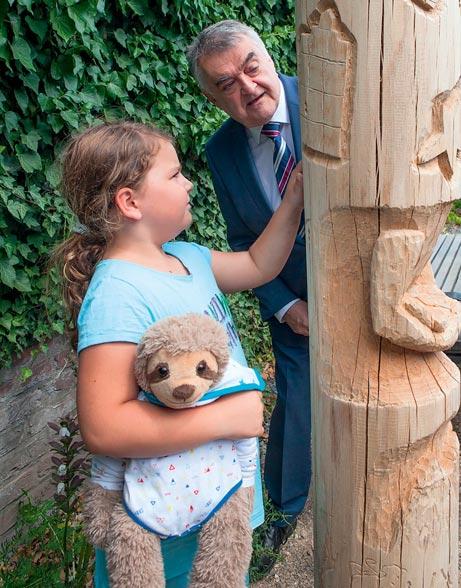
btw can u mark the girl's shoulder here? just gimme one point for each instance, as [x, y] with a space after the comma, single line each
[114, 307]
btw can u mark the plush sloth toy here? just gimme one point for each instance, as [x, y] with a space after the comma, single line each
[181, 362]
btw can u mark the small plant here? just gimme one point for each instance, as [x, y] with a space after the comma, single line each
[70, 471]
[48, 548]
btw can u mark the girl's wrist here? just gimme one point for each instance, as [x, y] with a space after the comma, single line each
[293, 207]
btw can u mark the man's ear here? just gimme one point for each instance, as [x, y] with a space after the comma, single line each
[127, 203]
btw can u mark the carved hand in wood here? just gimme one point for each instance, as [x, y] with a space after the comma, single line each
[407, 307]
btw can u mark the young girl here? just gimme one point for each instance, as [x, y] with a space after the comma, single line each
[122, 273]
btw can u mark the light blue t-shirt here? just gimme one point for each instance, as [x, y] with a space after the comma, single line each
[124, 299]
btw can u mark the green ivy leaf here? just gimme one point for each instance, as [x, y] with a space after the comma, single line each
[46, 103]
[21, 51]
[7, 273]
[62, 24]
[22, 99]
[32, 81]
[22, 282]
[31, 140]
[115, 91]
[120, 35]
[39, 27]
[53, 175]
[185, 102]
[11, 121]
[131, 82]
[130, 108]
[83, 15]
[71, 117]
[163, 72]
[30, 161]
[139, 7]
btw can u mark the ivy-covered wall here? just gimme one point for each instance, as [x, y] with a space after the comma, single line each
[67, 63]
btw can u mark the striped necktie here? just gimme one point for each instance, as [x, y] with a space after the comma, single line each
[283, 159]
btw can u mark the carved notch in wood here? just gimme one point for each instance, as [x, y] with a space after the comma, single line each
[442, 147]
[407, 307]
[426, 5]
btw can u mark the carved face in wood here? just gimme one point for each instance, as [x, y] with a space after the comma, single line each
[243, 82]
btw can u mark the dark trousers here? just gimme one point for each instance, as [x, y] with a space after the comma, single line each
[287, 470]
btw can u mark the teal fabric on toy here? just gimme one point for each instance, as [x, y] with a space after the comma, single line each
[178, 554]
[101, 581]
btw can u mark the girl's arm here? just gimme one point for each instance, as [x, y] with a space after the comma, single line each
[265, 259]
[113, 422]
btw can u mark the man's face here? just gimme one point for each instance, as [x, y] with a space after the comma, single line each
[243, 82]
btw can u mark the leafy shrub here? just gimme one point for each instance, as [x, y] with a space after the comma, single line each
[69, 63]
[454, 217]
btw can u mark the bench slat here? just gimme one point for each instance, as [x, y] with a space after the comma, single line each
[452, 282]
[441, 249]
[437, 253]
[449, 268]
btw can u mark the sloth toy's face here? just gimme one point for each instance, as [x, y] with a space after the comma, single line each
[179, 381]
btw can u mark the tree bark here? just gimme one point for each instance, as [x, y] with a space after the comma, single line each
[380, 100]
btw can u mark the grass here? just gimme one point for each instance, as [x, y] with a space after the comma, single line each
[259, 551]
[33, 557]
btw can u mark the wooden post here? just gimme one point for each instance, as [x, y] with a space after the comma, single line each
[380, 99]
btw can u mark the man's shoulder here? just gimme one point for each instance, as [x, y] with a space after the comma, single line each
[291, 80]
[290, 83]
[220, 137]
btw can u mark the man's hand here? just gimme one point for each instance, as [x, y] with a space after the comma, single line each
[297, 318]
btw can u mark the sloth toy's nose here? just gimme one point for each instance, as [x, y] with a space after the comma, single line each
[183, 392]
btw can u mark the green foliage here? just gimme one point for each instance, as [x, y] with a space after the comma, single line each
[48, 547]
[454, 217]
[68, 63]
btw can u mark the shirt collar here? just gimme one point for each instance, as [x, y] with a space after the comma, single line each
[280, 115]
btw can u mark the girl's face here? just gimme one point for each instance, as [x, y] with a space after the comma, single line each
[163, 195]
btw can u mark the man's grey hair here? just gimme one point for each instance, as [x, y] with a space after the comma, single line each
[217, 38]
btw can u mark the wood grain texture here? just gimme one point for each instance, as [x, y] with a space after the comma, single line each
[379, 94]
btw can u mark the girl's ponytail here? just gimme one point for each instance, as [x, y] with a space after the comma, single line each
[77, 257]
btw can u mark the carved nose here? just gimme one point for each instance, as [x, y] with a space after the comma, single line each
[183, 392]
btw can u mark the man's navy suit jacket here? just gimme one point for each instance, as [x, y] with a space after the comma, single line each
[245, 207]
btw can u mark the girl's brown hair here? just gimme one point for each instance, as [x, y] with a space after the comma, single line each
[96, 163]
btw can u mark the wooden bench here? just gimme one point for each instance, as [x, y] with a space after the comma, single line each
[446, 264]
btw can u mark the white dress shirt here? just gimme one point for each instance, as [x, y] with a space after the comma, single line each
[262, 149]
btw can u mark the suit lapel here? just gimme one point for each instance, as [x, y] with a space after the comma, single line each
[253, 203]
[291, 94]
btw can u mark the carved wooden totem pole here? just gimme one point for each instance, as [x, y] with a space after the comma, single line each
[380, 100]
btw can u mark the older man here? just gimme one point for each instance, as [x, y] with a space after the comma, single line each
[250, 158]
